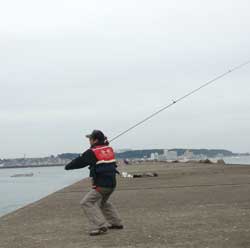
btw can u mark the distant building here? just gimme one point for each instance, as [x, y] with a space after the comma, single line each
[154, 156]
[220, 155]
[188, 154]
[170, 155]
[35, 162]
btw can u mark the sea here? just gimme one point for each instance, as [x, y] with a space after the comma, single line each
[237, 160]
[16, 192]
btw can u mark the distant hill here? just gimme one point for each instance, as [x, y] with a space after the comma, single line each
[139, 154]
[208, 152]
[70, 156]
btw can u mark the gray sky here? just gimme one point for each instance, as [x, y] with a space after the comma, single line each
[68, 67]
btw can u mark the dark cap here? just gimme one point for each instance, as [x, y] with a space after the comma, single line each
[96, 134]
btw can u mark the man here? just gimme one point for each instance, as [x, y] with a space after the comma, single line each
[100, 158]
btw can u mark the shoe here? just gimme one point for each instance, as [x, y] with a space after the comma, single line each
[116, 227]
[99, 231]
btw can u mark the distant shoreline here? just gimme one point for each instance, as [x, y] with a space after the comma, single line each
[31, 166]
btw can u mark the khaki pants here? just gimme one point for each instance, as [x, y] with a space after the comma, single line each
[98, 210]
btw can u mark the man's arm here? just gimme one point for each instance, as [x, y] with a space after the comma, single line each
[86, 159]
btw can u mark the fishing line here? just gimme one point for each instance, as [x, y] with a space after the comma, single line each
[180, 99]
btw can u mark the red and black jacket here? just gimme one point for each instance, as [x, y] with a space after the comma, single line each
[102, 164]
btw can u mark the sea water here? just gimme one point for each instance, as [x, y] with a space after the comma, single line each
[237, 160]
[16, 192]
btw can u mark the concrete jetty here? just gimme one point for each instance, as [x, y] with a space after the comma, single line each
[187, 205]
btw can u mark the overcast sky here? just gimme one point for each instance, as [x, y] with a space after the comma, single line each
[67, 67]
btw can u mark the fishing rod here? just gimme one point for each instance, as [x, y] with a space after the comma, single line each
[180, 99]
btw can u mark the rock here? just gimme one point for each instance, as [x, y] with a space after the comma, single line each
[147, 174]
[206, 161]
[221, 161]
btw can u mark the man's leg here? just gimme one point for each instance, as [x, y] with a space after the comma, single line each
[108, 209]
[92, 210]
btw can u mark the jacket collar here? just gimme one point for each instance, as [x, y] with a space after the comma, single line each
[98, 144]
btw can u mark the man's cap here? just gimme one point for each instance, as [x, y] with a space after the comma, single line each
[96, 134]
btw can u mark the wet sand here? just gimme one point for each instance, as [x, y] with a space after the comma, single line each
[188, 205]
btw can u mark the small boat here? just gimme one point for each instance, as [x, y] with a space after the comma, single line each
[23, 175]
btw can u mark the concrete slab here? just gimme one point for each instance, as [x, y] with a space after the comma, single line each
[188, 205]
